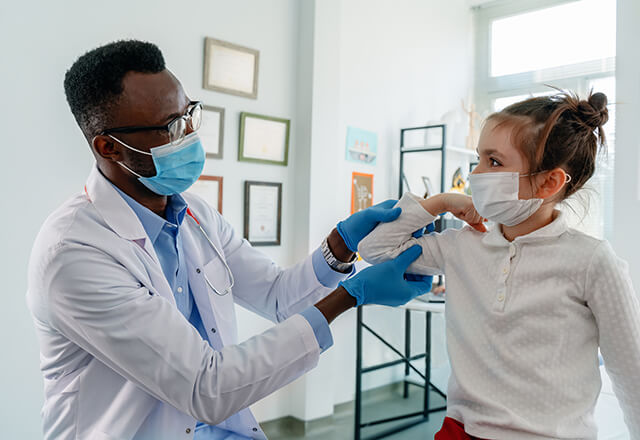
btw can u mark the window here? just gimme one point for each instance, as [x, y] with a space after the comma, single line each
[567, 34]
[523, 47]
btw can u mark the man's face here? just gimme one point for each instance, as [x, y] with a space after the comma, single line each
[148, 99]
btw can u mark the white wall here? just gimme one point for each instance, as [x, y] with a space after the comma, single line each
[380, 66]
[327, 64]
[627, 165]
[46, 159]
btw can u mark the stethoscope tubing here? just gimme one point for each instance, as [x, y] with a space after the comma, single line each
[215, 248]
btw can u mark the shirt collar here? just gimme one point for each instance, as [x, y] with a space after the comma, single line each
[554, 229]
[152, 222]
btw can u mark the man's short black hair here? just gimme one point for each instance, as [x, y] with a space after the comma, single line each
[93, 84]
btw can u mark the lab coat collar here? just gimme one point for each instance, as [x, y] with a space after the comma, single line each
[116, 212]
[152, 222]
[554, 229]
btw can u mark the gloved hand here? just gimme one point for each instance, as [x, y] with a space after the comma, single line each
[359, 225]
[428, 229]
[385, 283]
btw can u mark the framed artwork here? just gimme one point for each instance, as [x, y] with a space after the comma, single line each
[362, 146]
[212, 131]
[229, 68]
[361, 191]
[264, 139]
[210, 189]
[263, 213]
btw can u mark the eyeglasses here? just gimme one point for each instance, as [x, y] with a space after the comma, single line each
[177, 128]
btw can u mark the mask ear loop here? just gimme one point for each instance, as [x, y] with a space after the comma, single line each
[128, 146]
[133, 149]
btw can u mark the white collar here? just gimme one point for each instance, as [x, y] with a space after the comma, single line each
[554, 229]
[112, 207]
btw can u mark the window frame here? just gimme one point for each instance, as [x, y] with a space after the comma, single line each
[487, 88]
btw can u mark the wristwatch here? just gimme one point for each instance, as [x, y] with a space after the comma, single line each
[333, 262]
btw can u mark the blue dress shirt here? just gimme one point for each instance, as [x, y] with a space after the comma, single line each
[167, 243]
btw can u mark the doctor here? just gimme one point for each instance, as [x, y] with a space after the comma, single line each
[132, 283]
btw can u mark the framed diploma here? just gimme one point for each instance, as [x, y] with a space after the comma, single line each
[210, 189]
[229, 68]
[262, 213]
[264, 139]
[361, 191]
[212, 131]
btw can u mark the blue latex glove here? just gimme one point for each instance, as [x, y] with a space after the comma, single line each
[428, 229]
[359, 225]
[385, 283]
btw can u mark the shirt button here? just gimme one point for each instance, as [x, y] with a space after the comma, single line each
[255, 429]
[188, 430]
[213, 330]
[501, 297]
[179, 289]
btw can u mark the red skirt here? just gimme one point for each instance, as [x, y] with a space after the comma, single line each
[453, 430]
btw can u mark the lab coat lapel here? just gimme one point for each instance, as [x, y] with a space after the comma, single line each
[124, 222]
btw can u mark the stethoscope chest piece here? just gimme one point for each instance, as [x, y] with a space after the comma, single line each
[227, 290]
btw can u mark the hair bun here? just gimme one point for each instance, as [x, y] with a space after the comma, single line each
[594, 112]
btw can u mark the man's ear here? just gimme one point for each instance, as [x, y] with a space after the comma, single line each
[551, 183]
[106, 147]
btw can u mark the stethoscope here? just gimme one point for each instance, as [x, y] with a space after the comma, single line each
[228, 289]
[198, 270]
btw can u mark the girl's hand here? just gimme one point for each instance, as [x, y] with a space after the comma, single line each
[459, 205]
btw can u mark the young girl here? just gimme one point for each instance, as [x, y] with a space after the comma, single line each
[530, 301]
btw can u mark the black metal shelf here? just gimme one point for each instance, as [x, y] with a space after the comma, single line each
[406, 358]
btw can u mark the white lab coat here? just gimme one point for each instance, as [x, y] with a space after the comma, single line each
[120, 361]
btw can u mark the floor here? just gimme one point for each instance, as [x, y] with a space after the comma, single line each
[341, 425]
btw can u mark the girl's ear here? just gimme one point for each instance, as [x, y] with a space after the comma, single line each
[551, 183]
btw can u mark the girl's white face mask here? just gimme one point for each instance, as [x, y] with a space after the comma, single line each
[495, 197]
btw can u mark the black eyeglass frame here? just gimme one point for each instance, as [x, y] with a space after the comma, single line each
[133, 129]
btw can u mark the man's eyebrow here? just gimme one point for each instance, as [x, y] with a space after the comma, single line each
[172, 116]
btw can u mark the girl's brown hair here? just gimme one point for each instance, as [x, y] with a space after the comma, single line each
[560, 131]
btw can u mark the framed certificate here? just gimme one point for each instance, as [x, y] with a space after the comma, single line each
[212, 131]
[264, 139]
[229, 68]
[210, 189]
[361, 191]
[262, 213]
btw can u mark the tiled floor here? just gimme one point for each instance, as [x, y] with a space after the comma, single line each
[341, 426]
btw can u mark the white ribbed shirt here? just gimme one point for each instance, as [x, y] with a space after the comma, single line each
[524, 322]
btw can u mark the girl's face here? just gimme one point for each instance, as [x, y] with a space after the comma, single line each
[496, 153]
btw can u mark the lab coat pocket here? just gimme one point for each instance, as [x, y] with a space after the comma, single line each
[218, 276]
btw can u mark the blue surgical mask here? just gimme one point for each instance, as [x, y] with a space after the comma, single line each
[177, 166]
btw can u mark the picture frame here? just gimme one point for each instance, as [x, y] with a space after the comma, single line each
[264, 139]
[210, 189]
[230, 68]
[361, 191]
[211, 131]
[263, 213]
[361, 146]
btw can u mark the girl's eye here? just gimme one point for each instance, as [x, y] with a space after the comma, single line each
[494, 163]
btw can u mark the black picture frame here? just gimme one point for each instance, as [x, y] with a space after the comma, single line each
[247, 213]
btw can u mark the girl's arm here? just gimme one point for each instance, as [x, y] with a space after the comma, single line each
[388, 240]
[613, 301]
